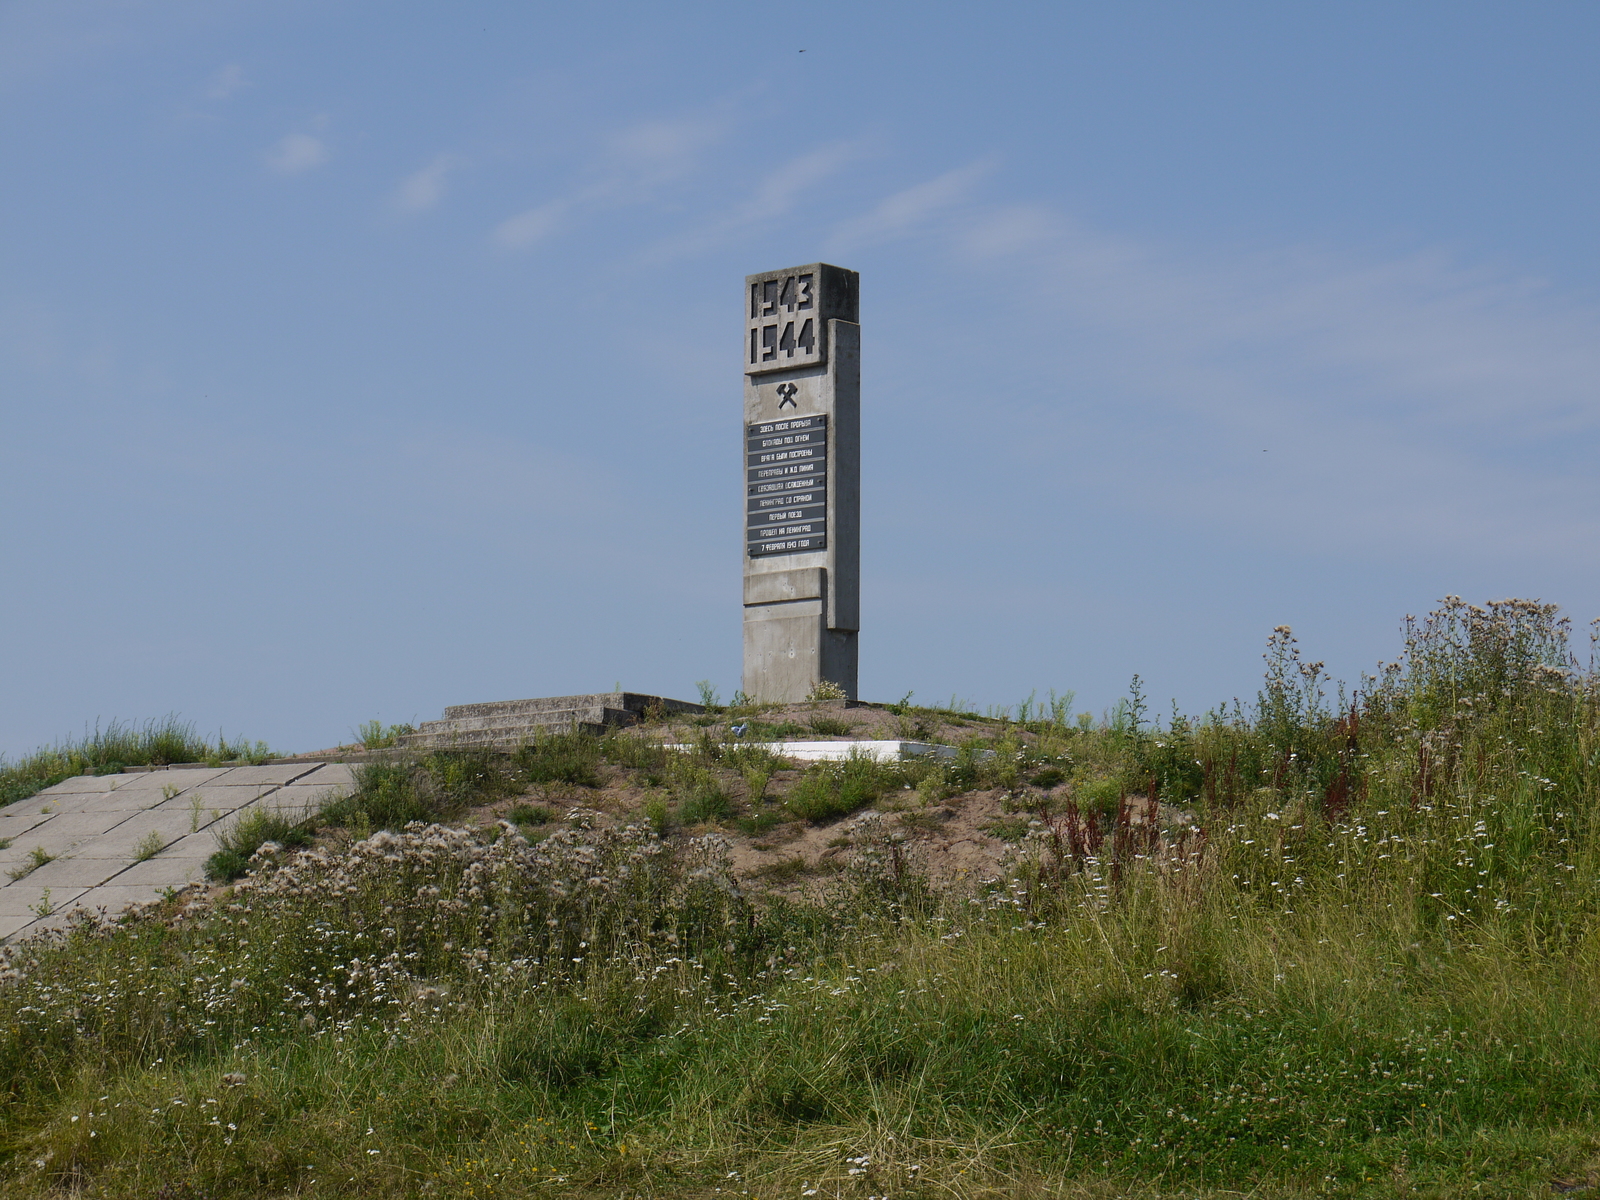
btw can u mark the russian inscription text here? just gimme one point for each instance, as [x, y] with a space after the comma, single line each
[786, 486]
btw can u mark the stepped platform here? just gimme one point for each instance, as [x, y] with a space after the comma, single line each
[507, 724]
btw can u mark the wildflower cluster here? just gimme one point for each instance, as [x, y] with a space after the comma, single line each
[397, 929]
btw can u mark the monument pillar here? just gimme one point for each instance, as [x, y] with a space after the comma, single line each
[802, 427]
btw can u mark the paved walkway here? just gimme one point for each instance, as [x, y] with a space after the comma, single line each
[115, 840]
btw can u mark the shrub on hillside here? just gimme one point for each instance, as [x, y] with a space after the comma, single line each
[566, 757]
[830, 790]
[633, 751]
[703, 798]
[390, 795]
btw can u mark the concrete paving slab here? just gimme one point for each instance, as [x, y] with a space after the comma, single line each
[122, 800]
[219, 800]
[200, 845]
[173, 823]
[74, 827]
[77, 873]
[330, 775]
[14, 855]
[85, 783]
[277, 774]
[94, 826]
[41, 839]
[129, 838]
[114, 897]
[33, 806]
[56, 920]
[181, 778]
[145, 797]
[13, 868]
[54, 841]
[23, 898]
[10, 923]
[294, 798]
[125, 848]
[163, 871]
[11, 856]
[14, 825]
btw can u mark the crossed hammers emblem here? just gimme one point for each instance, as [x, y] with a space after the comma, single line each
[786, 393]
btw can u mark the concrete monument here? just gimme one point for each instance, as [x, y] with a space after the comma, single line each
[802, 427]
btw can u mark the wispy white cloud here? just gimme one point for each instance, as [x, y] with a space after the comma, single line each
[1460, 343]
[775, 195]
[664, 149]
[633, 166]
[225, 81]
[1010, 230]
[911, 208]
[1398, 404]
[41, 37]
[297, 152]
[424, 189]
[785, 186]
[529, 228]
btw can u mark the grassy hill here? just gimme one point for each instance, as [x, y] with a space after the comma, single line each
[1325, 945]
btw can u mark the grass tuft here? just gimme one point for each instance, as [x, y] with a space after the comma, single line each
[825, 726]
[239, 841]
[830, 790]
[531, 814]
[37, 857]
[375, 735]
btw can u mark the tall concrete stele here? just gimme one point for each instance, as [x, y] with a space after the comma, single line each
[802, 425]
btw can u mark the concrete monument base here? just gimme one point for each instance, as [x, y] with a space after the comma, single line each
[507, 724]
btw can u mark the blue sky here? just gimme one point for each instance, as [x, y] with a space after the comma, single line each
[360, 359]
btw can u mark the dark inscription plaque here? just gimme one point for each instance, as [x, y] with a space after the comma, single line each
[786, 486]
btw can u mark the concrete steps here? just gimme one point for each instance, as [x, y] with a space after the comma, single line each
[507, 724]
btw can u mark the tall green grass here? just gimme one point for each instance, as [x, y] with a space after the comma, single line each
[105, 751]
[671, 1037]
[1326, 945]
